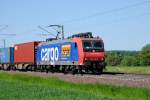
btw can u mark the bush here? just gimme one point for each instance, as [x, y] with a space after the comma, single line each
[130, 61]
[113, 59]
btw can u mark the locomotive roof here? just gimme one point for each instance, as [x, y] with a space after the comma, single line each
[67, 40]
[56, 41]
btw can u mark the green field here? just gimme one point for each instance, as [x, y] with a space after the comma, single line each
[24, 87]
[131, 69]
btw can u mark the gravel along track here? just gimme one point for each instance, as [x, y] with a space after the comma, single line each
[131, 80]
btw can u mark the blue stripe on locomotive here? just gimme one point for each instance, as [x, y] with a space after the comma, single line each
[51, 54]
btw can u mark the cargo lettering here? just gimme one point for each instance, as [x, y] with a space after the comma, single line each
[50, 54]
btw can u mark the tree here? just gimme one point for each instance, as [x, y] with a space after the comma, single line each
[145, 55]
[113, 59]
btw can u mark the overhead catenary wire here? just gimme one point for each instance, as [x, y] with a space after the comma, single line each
[106, 12]
[97, 14]
[8, 34]
[46, 31]
[3, 27]
[118, 20]
[129, 17]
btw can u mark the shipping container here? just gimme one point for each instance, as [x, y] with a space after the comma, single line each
[25, 53]
[7, 55]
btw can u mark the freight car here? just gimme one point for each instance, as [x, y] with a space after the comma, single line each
[25, 56]
[77, 54]
[6, 58]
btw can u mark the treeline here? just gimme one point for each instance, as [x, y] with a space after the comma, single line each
[129, 58]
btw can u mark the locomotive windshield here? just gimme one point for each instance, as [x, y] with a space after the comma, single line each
[90, 45]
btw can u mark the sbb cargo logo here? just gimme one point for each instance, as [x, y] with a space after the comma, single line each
[50, 54]
[65, 50]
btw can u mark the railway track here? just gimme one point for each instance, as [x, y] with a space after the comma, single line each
[123, 76]
[118, 79]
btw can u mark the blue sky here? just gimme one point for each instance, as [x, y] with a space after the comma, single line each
[125, 29]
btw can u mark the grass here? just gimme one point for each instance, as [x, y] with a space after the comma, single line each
[131, 69]
[25, 87]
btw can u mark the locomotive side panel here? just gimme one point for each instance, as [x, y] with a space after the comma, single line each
[47, 54]
[57, 54]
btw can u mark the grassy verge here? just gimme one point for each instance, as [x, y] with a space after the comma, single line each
[131, 69]
[24, 87]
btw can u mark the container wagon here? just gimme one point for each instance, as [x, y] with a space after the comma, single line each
[6, 58]
[24, 55]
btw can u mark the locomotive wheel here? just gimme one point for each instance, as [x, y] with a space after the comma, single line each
[47, 69]
[98, 71]
[101, 70]
[74, 70]
[41, 68]
[63, 69]
[57, 68]
[94, 70]
[80, 70]
[35, 68]
[67, 69]
[87, 69]
[52, 69]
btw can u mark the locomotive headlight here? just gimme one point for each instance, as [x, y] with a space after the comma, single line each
[103, 59]
[85, 58]
[93, 50]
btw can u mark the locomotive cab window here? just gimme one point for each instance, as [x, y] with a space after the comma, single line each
[90, 45]
[98, 45]
[87, 44]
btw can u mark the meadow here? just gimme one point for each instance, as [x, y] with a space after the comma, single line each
[26, 87]
[129, 69]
